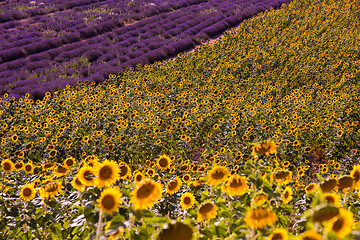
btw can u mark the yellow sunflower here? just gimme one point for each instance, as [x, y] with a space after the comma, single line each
[69, 162]
[29, 167]
[27, 192]
[7, 165]
[139, 177]
[328, 185]
[48, 166]
[106, 173]
[264, 148]
[125, 171]
[51, 190]
[333, 199]
[281, 177]
[187, 200]
[260, 199]
[236, 185]
[355, 173]
[174, 185]
[206, 212]
[342, 224]
[260, 217]
[279, 234]
[19, 166]
[186, 178]
[287, 195]
[217, 175]
[146, 193]
[60, 171]
[163, 162]
[77, 184]
[310, 188]
[110, 200]
[86, 176]
[310, 235]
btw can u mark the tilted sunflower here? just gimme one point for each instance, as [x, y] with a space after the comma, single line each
[342, 224]
[279, 234]
[60, 171]
[86, 176]
[7, 165]
[139, 177]
[146, 193]
[217, 175]
[287, 195]
[106, 173]
[19, 166]
[173, 185]
[187, 200]
[207, 211]
[77, 184]
[264, 148]
[51, 190]
[163, 162]
[281, 177]
[260, 199]
[260, 217]
[27, 192]
[355, 173]
[125, 171]
[328, 185]
[110, 200]
[310, 235]
[333, 199]
[310, 188]
[236, 185]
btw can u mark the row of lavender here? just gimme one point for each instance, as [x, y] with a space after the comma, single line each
[63, 43]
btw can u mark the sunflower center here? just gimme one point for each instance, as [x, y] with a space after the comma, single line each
[286, 195]
[206, 208]
[108, 202]
[357, 176]
[330, 199]
[138, 178]
[163, 162]
[277, 236]
[61, 169]
[87, 175]
[69, 162]
[338, 225]
[218, 174]
[236, 183]
[145, 191]
[282, 175]
[309, 188]
[187, 200]
[7, 166]
[173, 185]
[52, 188]
[105, 172]
[28, 168]
[27, 192]
[18, 165]
[186, 178]
[77, 181]
[123, 171]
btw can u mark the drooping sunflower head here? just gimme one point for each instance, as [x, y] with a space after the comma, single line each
[345, 182]
[310, 188]
[187, 200]
[260, 199]
[355, 173]
[174, 185]
[110, 200]
[7, 165]
[51, 190]
[236, 185]
[207, 211]
[176, 231]
[217, 175]
[310, 235]
[163, 162]
[27, 192]
[106, 173]
[60, 171]
[48, 166]
[328, 185]
[260, 217]
[146, 193]
[77, 184]
[281, 177]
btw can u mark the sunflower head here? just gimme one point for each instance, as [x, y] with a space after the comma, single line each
[236, 185]
[187, 200]
[27, 192]
[125, 171]
[260, 217]
[86, 176]
[146, 193]
[341, 224]
[69, 162]
[29, 167]
[207, 211]
[355, 173]
[109, 200]
[106, 173]
[287, 195]
[279, 234]
[176, 231]
[163, 162]
[217, 175]
[174, 185]
[7, 165]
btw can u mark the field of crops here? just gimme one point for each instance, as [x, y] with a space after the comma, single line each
[255, 136]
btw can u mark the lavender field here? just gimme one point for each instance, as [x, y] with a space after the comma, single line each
[46, 45]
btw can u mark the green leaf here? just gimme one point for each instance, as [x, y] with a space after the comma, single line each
[271, 192]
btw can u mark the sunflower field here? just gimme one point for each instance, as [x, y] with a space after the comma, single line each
[253, 136]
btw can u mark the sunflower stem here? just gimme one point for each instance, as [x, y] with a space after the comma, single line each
[253, 235]
[45, 230]
[2, 198]
[98, 230]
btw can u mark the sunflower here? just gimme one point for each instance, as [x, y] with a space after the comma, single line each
[281, 177]
[163, 162]
[174, 185]
[19, 166]
[328, 185]
[264, 148]
[27, 192]
[125, 171]
[116, 233]
[342, 224]
[109, 200]
[106, 173]
[355, 174]
[278, 234]
[187, 200]
[48, 166]
[217, 175]
[236, 185]
[150, 172]
[69, 162]
[260, 217]
[60, 171]
[206, 212]
[51, 190]
[29, 167]
[345, 182]
[287, 195]
[176, 231]
[310, 235]
[139, 177]
[310, 188]
[146, 193]
[7, 165]
[86, 176]
[260, 199]
[333, 199]
[77, 184]
[186, 178]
